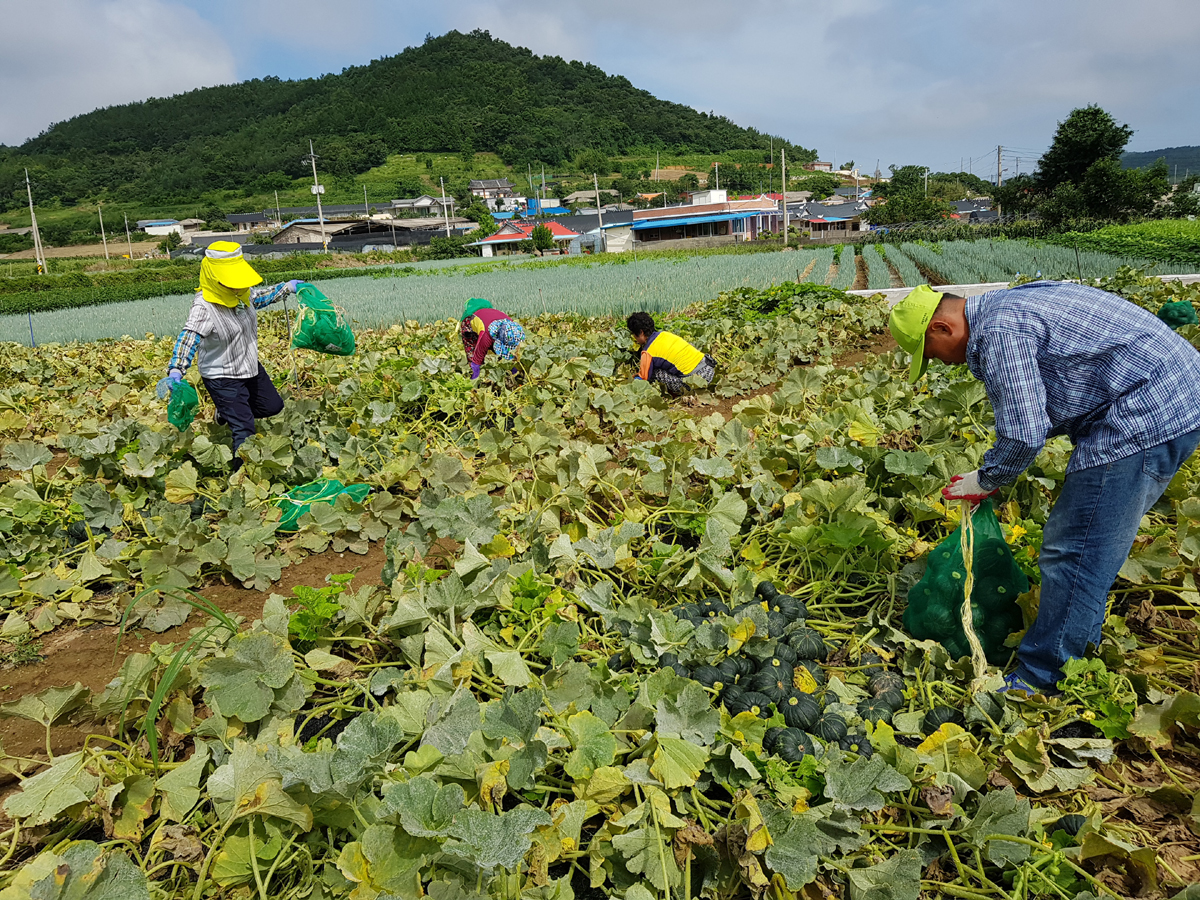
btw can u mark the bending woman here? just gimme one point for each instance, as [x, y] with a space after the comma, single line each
[486, 328]
[666, 358]
[223, 328]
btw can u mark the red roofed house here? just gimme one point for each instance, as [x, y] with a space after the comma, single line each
[508, 239]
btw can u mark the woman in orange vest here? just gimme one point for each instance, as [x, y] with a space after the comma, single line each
[667, 358]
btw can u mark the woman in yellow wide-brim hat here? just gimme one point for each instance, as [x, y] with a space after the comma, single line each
[223, 328]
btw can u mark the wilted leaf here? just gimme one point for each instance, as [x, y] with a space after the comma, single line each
[53, 791]
[47, 707]
[896, 878]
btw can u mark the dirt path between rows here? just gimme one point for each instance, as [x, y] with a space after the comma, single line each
[90, 656]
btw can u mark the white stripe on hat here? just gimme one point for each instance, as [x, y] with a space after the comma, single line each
[210, 253]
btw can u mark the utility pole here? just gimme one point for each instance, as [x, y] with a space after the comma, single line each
[999, 171]
[445, 212]
[599, 212]
[366, 209]
[927, 181]
[317, 189]
[38, 252]
[718, 175]
[128, 239]
[100, 213]
[278, 214]
[783, 177]
[657, 156]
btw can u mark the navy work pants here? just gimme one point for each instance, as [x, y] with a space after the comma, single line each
[239, 401]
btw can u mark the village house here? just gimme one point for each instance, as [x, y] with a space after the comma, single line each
[420, 207]
[496, 193]
[708, 220]
[508, 239]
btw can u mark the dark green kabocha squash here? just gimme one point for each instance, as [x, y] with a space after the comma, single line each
[765, 591]
[711, 607]
[894, 699]
[745, 665]
[771, 737]
[731, 672]
[941, 715]
[883, 682]
[800, 710]
[731, 693]
[871, 663]
[710, 677]
[875, 710]
[857, 743]
[750, 701]
[788, 606]
[1069, 823]
[671, 661]
[792, 745]
[775, 683]
[782, 655]
[618, 662]
[808, 644]
[830, 727]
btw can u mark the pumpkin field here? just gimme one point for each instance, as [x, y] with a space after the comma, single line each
[621, 645]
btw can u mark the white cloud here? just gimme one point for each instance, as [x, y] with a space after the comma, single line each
[65, 57]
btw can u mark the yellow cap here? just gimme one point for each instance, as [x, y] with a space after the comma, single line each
[908, 321]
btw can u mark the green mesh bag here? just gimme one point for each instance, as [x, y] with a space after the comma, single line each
[1178, 314]
[298, 501]
[182, 408]
[321, 325]
[935, 603]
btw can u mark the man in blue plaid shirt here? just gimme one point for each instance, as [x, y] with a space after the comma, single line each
[1064, 359]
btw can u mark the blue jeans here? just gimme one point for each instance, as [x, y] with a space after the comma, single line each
[1086, 541]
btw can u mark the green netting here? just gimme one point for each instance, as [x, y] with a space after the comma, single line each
[935, 602]
[321, 325]
[1178, 314]
[297, 501]
[182, 408]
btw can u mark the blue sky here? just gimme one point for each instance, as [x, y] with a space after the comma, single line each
[901, 81]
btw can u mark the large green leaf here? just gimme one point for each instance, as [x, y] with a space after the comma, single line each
[423, 808]
[489, 841]
[242, 683]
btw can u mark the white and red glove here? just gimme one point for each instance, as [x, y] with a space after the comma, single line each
[966, 487]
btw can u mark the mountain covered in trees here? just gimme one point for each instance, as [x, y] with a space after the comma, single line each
[457, 93]
[1186, 159]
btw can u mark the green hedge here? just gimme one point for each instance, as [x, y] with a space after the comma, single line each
[83, 292]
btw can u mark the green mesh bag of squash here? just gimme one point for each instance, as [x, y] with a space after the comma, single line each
[935, 603]
[296, 502]
[321, 326]
[181, 411]
[1178, 313]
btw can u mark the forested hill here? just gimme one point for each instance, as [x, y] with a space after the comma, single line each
[1186, 158]
[455, 92]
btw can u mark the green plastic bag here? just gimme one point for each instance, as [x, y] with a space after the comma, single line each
[935, 603]
[299, 500]
[181, 411]
[1178, 313]
[320, 325]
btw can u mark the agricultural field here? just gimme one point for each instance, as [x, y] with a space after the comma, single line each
[139, 302]
[1172, 240]
[532, 700]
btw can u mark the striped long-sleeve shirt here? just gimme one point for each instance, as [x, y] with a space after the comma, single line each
[226, 338]
[1064, 359]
